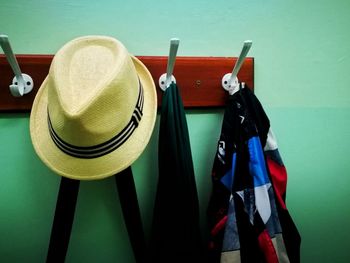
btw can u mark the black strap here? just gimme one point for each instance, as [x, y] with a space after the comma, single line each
[63, 220]
[64, 216]
[128, 200]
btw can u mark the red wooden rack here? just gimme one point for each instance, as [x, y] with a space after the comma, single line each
[198, 78]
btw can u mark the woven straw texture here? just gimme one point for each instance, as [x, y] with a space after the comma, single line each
[90, 94]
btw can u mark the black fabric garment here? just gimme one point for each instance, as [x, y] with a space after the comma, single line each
[291, 235]
[65, 209]
[244, 118]
[63, 220]
[234, 133]
[248, 235]
[131, 212]
[175, 233]
[290, 232]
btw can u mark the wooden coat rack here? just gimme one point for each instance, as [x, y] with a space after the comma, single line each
[198, 78]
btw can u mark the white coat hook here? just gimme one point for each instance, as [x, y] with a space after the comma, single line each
[167, 78]
[21, 83]
[230, 81]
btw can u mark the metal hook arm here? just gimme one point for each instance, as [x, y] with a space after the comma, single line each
[174, 44]
[167, 78]
[5, 44]
[22, 83]
[246, 47]
[230, 81]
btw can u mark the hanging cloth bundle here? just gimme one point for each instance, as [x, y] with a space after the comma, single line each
[65, 209]
[63, 220]
[175, 231]
[248, 217]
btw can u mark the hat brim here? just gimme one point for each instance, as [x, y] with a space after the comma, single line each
[101, 167]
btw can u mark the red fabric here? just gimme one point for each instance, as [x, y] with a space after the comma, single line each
[266, 245]
[219, 226]
[279, 180]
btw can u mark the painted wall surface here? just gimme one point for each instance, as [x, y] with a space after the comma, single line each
[302, 59]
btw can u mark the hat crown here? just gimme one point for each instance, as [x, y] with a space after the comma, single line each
[93, 90]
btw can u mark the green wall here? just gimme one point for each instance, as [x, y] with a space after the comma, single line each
[302, 57]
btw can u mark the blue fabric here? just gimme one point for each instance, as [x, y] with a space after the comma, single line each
[257, 166]
[227, 179]
[231, 236]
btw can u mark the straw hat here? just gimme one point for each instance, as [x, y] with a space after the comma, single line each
[95, 111]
